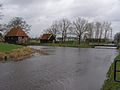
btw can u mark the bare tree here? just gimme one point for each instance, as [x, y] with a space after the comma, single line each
[107, 28]
[90, 30]
[81, 28]
[19, 22]
[97, 30]
[64, 25]
[53, 29]
[2, 26]
[101, 31]
[80, 25]
[47, 31]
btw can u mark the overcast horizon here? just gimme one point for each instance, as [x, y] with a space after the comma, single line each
[41, 13]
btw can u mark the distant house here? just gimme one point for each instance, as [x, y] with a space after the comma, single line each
[46, 38]
[16, 36]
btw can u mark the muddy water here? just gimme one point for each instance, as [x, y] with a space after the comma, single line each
[63, 69]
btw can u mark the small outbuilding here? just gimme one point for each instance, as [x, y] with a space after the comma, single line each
[47, 38]
[16, 36]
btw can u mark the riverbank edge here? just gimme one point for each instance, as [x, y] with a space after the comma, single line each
[20, 54]
[65, 45]
[109, 83]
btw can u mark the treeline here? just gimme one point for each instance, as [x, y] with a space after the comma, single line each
[81, 28]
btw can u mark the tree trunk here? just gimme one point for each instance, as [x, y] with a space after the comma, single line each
[105, 37]
[79, 39]
[62, 37]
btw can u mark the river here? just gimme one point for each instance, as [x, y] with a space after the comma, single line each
[63, 69]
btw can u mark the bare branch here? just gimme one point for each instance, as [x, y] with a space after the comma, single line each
[80, 25]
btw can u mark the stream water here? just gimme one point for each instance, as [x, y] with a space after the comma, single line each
[63, 69]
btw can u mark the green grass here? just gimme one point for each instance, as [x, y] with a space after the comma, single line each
[34, 42]
[110, 84]
[8, 47]
[70, 44]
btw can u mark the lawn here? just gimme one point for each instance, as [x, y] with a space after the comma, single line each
[110, 84]
[8, 47]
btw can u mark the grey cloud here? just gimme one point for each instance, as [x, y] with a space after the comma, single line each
[24, 2]
[41, 13]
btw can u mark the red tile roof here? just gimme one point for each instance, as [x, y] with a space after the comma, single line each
[16, 31]
[46, 36]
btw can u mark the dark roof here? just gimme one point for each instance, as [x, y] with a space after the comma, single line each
[46, 36]
[16, 31]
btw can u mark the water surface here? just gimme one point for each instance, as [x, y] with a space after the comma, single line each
[63, 69]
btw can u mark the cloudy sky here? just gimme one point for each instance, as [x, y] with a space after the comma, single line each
[41, 13]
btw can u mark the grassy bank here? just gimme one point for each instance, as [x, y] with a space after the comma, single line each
[110, 84]
[14, 52]
[17, 52]
[61, 44]
[8, 47]
[70, 44]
